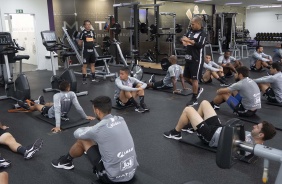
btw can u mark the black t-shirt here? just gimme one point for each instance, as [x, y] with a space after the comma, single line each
[195, 52]
[88, 39]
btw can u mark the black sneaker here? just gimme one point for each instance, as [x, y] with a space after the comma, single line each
[188, 129]
[41, 100]
[215, 106]
[152, 79]
[65, 118]
[144, 106]
[139, 109]
[34, 148]
[172, 135]
[62, 163]
[200, 91]
[224, 85]
[192, 102]
[23, 105]
[4, 163]
[84, 81]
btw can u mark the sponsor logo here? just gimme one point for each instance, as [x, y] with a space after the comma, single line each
[189, 57]
[127, 164]
[127, 174]
[113, 123]
[123, 153]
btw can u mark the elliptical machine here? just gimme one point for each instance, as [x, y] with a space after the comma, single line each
[49, 39]
[18, 89]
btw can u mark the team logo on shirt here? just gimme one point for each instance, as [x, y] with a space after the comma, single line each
[122, 153]
[127, 164]
[113, 123]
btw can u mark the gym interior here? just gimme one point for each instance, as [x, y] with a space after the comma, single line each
[141, 35]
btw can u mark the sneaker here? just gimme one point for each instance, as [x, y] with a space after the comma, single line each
[65, 118]
[152, 79]
[62, 163]
[34, 148]
[84, 81]
[192, 102]
[188, 129]
[215, 106]
[200, 91]
[23, 105]
[94, 80]
[41, 100]
[224, 84]
[4, 163]
[172, 135]
[139, 109]
[144, 106]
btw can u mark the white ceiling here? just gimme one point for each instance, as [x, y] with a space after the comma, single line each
[245, 3]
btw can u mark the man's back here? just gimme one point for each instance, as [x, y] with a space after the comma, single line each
[174, 70]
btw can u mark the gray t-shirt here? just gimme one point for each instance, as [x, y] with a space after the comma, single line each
[127, 85]
[249, 91]
[62, 105]
[277, 55]
[223, 60]
[259, 56]
[116, 146]
[212, 66]
[173, 71]
[275, 83]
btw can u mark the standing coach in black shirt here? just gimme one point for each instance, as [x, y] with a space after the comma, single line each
[194, 40]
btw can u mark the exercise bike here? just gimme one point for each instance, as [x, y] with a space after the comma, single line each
[135, 69]
[18, 89]
[49, 39]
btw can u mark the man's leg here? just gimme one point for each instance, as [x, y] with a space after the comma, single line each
[77, 150]
[92, 68]
[207, 76]
[128, 97]
[141, 94]
[263, 86]
[84, 72]
[219, 99]
[4, 177]
[258, 65]
[205, 110]
[27, 152]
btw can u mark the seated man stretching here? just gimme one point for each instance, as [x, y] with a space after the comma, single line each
[108, 144]
[213, 70]
[260, 59]
[7, 139]
[173, 73]
[229, 63]
[61, 106]
[208, 126]
[127, 89]
[243, 97]
[271, 85]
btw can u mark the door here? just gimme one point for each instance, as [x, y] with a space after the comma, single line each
[21, 27]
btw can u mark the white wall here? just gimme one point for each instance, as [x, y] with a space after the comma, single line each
[264, 20]
[37, 7]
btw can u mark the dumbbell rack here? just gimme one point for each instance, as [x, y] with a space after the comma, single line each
[269, 37]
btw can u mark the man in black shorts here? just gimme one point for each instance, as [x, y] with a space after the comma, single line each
[86, 40]
[7, 139]
[108, 144]
[194, 40]
[208, 126]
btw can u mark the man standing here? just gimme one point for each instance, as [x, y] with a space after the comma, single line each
[86, 41]
[194, 41]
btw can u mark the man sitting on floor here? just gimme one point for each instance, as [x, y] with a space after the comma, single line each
[271, 85]
[229, 63]
[60, 107]
[243, 97]
[173, 73]
[260, 59]
[108, 144]
[208, 126]
[127, 89]
[278, 54]
[213, 70]
[7, 139]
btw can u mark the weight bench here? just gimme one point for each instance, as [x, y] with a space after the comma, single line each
[73, 122]
[193, 140]
[170, 90]
[275, 104]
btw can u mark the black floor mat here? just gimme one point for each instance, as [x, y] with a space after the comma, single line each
[154, 71]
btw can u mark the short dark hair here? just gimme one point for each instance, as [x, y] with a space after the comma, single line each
[243, 70]
[268, 130]
[125, 69]
[257, 47]
[64, 85]
[227, 51]
[103, 103]
[277, 66]
[85, 21]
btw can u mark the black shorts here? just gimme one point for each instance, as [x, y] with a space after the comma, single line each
[193, 70]
[94, 156]
[2, 131]
[89, 57]
[44, 111]
[160, 85]
[207, 128]
[270, 95]
[241, 111]
[120, 103]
